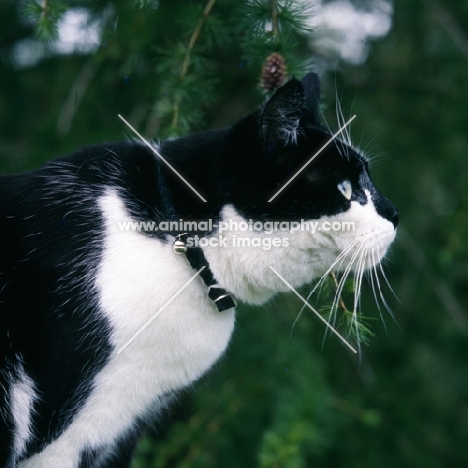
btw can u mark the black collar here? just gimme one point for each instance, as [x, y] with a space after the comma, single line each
[197, 260]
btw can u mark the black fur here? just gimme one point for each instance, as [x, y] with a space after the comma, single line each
[51, 239]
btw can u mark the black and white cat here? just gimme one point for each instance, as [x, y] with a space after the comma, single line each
[100, 326]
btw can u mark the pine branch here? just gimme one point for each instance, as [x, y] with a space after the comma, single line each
[186, 62]
[340, 299]
[45, 16]
[186, 71]
[276, 28]
[274, 18]
[352, 322]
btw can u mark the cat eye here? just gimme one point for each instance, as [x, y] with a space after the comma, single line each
[346, 189]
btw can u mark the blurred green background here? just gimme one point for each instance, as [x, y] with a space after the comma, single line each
[283, 398]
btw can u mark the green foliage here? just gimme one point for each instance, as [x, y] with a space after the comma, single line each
[267, 26]
[188, 72]
[300, 427]
[358, 327]
[45, 14]
[349, 321]
[277, 409]
[184, 56]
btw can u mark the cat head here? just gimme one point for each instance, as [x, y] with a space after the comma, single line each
[287, 168]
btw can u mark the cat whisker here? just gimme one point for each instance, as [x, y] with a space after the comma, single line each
[382, 299]
[357, 257]
[358, 287]
[388, 283]
[341, 283]
[337, 144]
[357, 261]
[320, 282]
[384, 302]
[339, 259]
[340, 118]
[338, 110]
[372, 273]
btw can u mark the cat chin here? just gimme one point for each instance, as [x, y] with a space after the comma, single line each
[245, 269]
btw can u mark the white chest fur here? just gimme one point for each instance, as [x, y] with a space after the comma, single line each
[136, 278]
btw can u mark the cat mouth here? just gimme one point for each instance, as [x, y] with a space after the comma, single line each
[362, 257]
[357, 261]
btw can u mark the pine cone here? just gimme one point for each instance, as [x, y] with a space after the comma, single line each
[273, 72]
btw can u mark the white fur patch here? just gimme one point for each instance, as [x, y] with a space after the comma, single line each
[22, 399]
[136, 278]
[139, 274]
[245, 272]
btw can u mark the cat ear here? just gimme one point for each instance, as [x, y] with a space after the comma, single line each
[294, 105]
[281, 115]
[311, 85]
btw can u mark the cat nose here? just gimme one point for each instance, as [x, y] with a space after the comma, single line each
[387, 209]
[394, 217]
